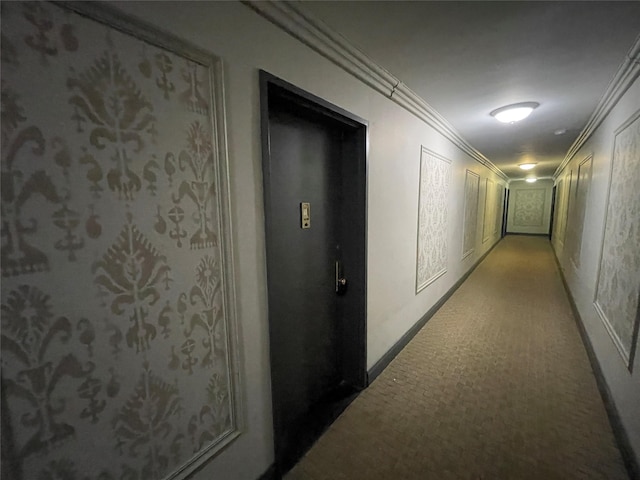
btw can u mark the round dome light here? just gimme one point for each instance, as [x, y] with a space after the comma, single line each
[514, 113]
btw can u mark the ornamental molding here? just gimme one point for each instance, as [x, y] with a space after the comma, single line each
[318, 36]
[626, 75]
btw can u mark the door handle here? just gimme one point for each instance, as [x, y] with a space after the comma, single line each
[341, 281]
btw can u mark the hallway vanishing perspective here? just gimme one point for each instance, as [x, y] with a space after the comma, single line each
[497, 385]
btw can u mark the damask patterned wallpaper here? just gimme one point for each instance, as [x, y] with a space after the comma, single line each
[471, 191]
[618, 289]
[528, 207]
[435, 174]
[489, 210]
[576, 221]
[557, 219]
[498, 208]
[116, 318]
[565, 205]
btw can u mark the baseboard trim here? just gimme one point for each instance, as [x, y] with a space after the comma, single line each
[528, 234]
[270, 473]
[387, 358]
[631, 463]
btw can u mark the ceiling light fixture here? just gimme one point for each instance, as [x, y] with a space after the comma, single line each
[530, 180]
[514, 113]
[527, 166]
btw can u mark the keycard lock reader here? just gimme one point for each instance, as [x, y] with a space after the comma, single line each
[305, 215]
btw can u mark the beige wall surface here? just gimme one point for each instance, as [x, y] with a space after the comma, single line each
[246, 43]
[598, 193]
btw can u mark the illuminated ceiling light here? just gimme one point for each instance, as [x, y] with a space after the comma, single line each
[514, 113]
[531, 180]
[527, 166]
[560, 131]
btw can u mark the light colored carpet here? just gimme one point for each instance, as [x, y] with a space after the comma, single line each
[497, 385]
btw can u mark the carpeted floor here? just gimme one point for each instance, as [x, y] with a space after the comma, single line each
[497, 386]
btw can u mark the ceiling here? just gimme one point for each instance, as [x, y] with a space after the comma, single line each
[468, 58]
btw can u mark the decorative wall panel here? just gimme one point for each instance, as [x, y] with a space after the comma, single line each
[557, 219]
[489, 210]
[435, 174]
[566, 206]
[117, 307]
[576, 221]
[528, 207]
[618, 289]
[562, 209]
[469, 228]
[498, 202]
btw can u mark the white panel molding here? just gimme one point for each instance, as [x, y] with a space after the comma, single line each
[563, 211]
[627, 73]
[317, 35]
[625, 258]
[498, 201]
[557, 222]
[111, 18]
[487, 218]
[615, 338]
[470, 217]
[581, 198]
[432, 248]
[532, 214]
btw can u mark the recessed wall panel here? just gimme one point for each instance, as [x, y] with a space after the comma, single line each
[469, 228]
[499, 205]
[576, 222]
[618, 288]
[489, 210]
[529, 207]
[565, 207]
[435, 174]
[117, 312]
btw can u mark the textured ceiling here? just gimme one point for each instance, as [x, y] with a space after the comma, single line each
[469, 58]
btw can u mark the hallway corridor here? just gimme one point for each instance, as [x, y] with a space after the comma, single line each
[497, 385]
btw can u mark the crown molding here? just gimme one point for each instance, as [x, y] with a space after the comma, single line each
[627, 73]
[314, 33]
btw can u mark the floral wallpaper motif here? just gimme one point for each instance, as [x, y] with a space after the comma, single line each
[617, 293]
[528, 207]
[469, 227]
[565, 205]
[576, 221]
[116, 360]
[435, 174]
[489, 210]
[499, 199]
[557, 218]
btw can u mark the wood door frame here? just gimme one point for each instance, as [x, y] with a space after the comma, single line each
[274, 89]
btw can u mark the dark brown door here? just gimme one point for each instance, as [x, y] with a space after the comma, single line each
[314, 222]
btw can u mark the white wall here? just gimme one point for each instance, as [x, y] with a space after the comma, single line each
[580, 259]
[246, 42]
[529, 207]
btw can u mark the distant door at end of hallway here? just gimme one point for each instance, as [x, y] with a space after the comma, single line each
[314, 178]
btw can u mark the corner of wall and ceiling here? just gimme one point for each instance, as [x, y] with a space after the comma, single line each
[290, 17]
[626, 74]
